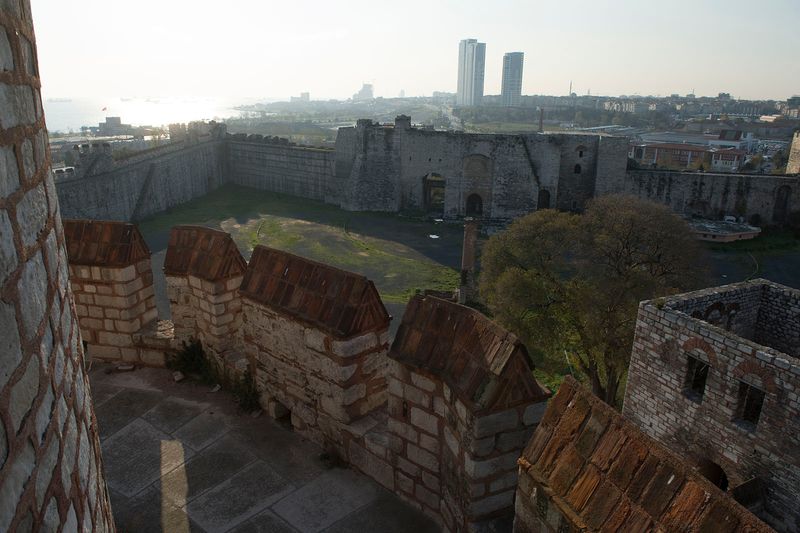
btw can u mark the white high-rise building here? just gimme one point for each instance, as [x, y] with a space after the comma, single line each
[471, 63]
[512, 78]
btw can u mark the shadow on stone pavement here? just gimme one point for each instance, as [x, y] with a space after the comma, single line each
[180, 458]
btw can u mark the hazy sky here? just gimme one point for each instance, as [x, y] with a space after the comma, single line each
[266, 48]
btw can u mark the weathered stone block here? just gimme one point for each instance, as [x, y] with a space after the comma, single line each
[355, 346]
[495, 423]
[377, 469]
[425, 421]
[489, 467]
[423, 458]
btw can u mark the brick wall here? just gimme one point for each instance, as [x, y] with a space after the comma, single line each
[52, 473]
[211, 312]
[709, 427]
[113, 305]
[323, 382]
[457, 465]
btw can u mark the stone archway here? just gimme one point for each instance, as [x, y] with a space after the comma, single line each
[433, 187]
[780, 211]
[543, 202]
[474, 207]
[713, 472]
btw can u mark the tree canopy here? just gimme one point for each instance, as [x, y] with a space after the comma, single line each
[569, 285]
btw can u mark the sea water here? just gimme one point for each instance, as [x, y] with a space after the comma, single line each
[70, 114]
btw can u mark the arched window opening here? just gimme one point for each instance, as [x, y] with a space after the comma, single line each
[474, 205]
[713, 472]
[577, 169]
[544, 199]
[433, 186]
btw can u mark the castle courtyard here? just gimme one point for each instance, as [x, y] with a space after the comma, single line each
[180, 458]
[398, 253]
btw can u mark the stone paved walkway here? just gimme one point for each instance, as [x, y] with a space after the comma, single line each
[180, 458]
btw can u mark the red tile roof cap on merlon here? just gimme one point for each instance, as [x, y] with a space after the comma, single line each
[485, 365]
[104, 243]
[342, 303]
[605, 474]
[204, 253]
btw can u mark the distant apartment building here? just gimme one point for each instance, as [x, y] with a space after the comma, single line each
[304, 97]
[727, 160]
[113, 126]
[635, 107]
[735, 139]
[366, 93]
[471, 64]
[511, 91]
[675, 156]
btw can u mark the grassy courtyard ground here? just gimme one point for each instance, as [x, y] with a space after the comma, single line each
[396, 253]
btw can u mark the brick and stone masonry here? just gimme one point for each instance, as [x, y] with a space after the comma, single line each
[204, 269]
[588, 469]
[715, 376]
[462, 405]
[112, 283]
[51, 471]
[316, 337]
[793, 165]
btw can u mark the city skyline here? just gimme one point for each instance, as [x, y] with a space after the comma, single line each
[120, 49]
[511, 89]
[471, 72]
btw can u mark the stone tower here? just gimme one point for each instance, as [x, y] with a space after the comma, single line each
[793, 166]
[52, 473]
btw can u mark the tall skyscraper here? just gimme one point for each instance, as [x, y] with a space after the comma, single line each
[512, 78]
[471, 63]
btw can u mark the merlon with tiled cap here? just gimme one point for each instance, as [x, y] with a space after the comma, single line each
[485, 365]
[204, 253]
[104, 243]
[340, 302]
[588, 468]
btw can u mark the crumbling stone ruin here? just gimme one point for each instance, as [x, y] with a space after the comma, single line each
[51, 472]
[714, 377]
[587, 468]
[397, 167]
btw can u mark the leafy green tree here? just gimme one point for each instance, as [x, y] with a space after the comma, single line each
[570, 285]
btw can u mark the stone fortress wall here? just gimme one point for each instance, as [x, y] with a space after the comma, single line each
[736, 420]
[141, 186]
[279, 167]
[793, 165]
[440, 423]
[51, 471]
[759, 199]
[394, 167]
